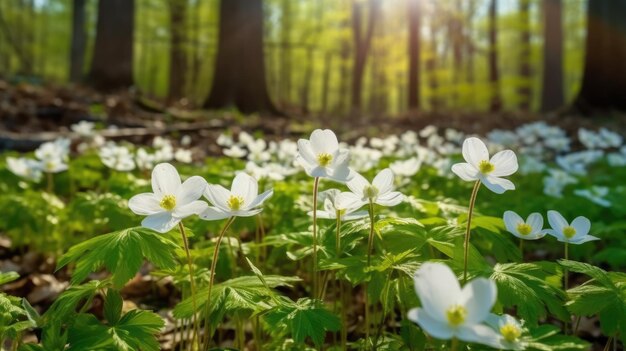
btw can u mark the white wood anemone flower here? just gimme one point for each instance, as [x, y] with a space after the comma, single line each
[339, 203]
[529, 229]
[510, 330]
[576, 232]
[321, 156]
[242, 200]
[380, 191]
[478, 166]
[449, 311]
[170, 200]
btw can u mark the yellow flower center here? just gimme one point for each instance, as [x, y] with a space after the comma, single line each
[485, 167]
[235, 202]
[456, 315]
[324, 159]
[569, 232]
[524, 229]
[510, 332]
[370, 191]
[168, 202]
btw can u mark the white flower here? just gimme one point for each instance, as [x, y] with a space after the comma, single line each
[235, 151]
[321, 156]
[576, 232]
[510, 331]
[449, 311]
[25, 168]
[479, 166]
[183, 156]
[243, 199]
[117, 157]
[380, 191]
[143, 159]
[595, 194]
[83, 128]
[336, 202]
[53, 165]
[170, 201]
[530, 229]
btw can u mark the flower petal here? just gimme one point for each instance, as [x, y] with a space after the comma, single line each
[497, 185]
[165, 179]
[245, 186]
[354, 215]
[465, 171]
[193, 208]
[305, 151]
[324, 141]
[161, 222]
[505, 163]
[431, 326]
[511, 221]
[213, 213]
[437, 287]
[480, 334]
[357, 184]
[348, 200]
[145, 204]
[478, 297]
[217, 196]
[191, 190]
[259, 200]
[582, 225]
[584, 239]
[384, 181]
[535, 221]
[390, 199]
[474, 151]
[557, 222]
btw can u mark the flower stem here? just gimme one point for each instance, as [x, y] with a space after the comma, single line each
[344, 321]
[521, 248]
[315, 276]
[454, 345]
[207, 310]
[192, 283]
[370, 246]
[50, 182]
[467, 230]
[566, 284]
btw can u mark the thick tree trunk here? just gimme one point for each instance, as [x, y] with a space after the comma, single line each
[112, 64]
[362, 43]
[79, 40]
[414, 55]
[178, 56]
[524, 90]
[552, 87]
[604, 77]
[239, 79]
[328, 59]
[285, 55]
[494, 73]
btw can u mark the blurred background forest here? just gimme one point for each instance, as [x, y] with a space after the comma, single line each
[327, 57]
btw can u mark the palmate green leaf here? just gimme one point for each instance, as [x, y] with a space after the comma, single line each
[245, 292]
[604, 295]
[531, 288]
[121, 253]
[303, 319]
[68, 301]
[113, 306]
[8, 277]
[548, 338]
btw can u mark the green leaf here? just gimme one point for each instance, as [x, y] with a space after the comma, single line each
[8, 277]
[113, 306]
[87, 333]
[121, 253]
[68, 301]
[31, 313]
[137, 330]
[304, 318]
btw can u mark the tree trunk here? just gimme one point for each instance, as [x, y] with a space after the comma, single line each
[308, 77]
[414, 55]
[239, 79]
[604, 76]
[552, 87]
[326, 81]
[79, 40]
[178, 56]
[524, 89]
[456, 35]
[494, 73]
[362, 43]
[112, 64]
[285, 55]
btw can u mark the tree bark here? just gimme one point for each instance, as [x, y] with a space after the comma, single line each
[494, 73]
[285, 55]
[79, 40]
[239, 79]
[552, 88]
[362, 43]
[604, 76]
[178, 56]
[525, 75]
[112, 64]
[414, 55]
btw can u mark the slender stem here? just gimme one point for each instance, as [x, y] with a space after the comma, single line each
[207, 310]
[454, 345]
[575, 331]
[192, 283]
[521, 248]
[344, 329]
[315, 276]
[384, 310]
[370, 246]
[467, 230]
[50, 182]
[566, 283]
[608, 344]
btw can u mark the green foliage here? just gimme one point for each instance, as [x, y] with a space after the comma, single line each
[121, 253]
